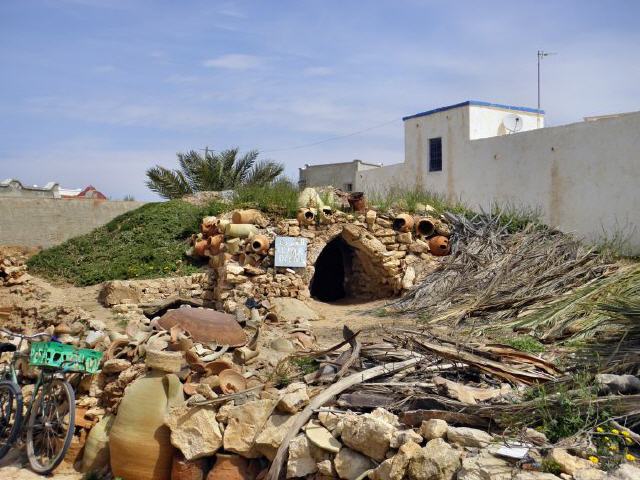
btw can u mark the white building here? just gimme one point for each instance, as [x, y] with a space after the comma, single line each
[339, 175]
[583, 177]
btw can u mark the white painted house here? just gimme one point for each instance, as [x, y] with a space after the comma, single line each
[584, 177]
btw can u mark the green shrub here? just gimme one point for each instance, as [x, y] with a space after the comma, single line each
[279, 198]
[525, 343]
[147, 242]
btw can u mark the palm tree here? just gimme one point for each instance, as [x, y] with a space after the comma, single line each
[212, 172]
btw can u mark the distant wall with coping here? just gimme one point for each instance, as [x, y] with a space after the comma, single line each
[44, 222]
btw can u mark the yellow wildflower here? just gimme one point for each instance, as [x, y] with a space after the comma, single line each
[613, 447]
[630, 458]
[594, 459]
[629, 441]
[615, 431]
[599, 429]
[626, 433]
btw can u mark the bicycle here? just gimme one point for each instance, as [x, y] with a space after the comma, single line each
[51, 412]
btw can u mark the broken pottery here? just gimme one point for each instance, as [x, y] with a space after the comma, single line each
[439, 245]
[206, 325]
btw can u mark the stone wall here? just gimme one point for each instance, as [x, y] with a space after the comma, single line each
[44, 222]
[119, 292]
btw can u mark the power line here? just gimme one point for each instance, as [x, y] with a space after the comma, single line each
[319, 142]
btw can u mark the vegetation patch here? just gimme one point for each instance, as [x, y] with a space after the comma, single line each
[147, 242]
[525, 343]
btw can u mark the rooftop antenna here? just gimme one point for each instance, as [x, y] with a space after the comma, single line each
[541, 55]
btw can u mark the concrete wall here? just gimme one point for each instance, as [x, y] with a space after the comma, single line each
[584, 177]
[47, 221]
[336, 174]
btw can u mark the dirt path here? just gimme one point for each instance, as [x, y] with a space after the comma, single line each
[367, 316]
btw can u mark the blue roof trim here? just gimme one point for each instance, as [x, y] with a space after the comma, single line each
[475, 103]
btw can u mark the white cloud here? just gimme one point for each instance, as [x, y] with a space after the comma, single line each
[234, 61]
[318, 71]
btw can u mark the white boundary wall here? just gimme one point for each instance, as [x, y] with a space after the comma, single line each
[584, 177]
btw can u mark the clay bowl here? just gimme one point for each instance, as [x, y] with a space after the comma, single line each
[232, 381]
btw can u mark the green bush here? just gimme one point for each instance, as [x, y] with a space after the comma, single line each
[279, 198]
[147, 242]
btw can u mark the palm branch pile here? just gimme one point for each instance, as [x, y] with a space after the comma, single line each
[495, 276]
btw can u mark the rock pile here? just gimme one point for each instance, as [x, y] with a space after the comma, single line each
[13, 270]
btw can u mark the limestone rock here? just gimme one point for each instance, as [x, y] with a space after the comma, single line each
[329, 420]
[525, 475]
[115, 365]
[626, 471]
[569, 463]
[194, 431]
[400, 437]
[116, 291]
[244, 422]
[304, 457]
[325, 468]
[170, 362]
[367, 434]
[590, 474]
[468, 437]
[436, 461]
[350, 464]
[270, 438]
[383, 472]
[386, 416]
[485, 467]
[400, 461]
[535, 437]
[295, 398]
[434, 428]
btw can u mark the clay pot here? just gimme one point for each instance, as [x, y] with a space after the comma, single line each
[306, 216]
[357, 201]
[251, 216]
[234, 230]
[231, 467]
[215, 243]
[217, 366]
[209, 226]
[232, 381]
[403, 223]
[139, 441]
[96, 449]
[232, 245]
[439, 246]
[183, 469]
[200, 247]
[206, 325]
[426, 226]
[260, 244]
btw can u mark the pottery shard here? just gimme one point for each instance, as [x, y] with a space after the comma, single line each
[321, 437]
[468, 437]
[436, 461]
[244, 422]
[194, 431]
[295, 398]
[485, 467]
[270, 438]
[304, 457]
[350, 464]
[569, 464]
[434, 428]
[368, 435]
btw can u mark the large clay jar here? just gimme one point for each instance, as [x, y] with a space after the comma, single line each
[250, 216]
[215, 243]
[235, 230]
[439, 245]
[96, 449]
[403, 223]
[357, 202]
[188, 469]
[231, 467]
[209, 226]
[139, 442]
[260, 244]
[200, 247]
[306, 216]
[426, 226]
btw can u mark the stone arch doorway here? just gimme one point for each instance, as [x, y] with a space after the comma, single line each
[353, 264]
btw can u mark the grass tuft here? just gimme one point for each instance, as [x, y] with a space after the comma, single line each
[278, 198]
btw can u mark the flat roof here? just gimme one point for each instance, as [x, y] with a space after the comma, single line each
[476, 103]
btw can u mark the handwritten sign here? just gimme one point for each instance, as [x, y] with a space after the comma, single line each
[291, 252]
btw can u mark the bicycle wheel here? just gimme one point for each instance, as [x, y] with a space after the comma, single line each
[51, 426]
[10, 415]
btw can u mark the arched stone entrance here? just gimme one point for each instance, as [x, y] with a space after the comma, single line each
[352, 263]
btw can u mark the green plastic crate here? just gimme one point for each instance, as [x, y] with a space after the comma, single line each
[67, 357]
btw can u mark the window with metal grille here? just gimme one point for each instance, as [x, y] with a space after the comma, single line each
[435, 154]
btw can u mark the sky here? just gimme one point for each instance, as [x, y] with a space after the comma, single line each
[98, 91]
